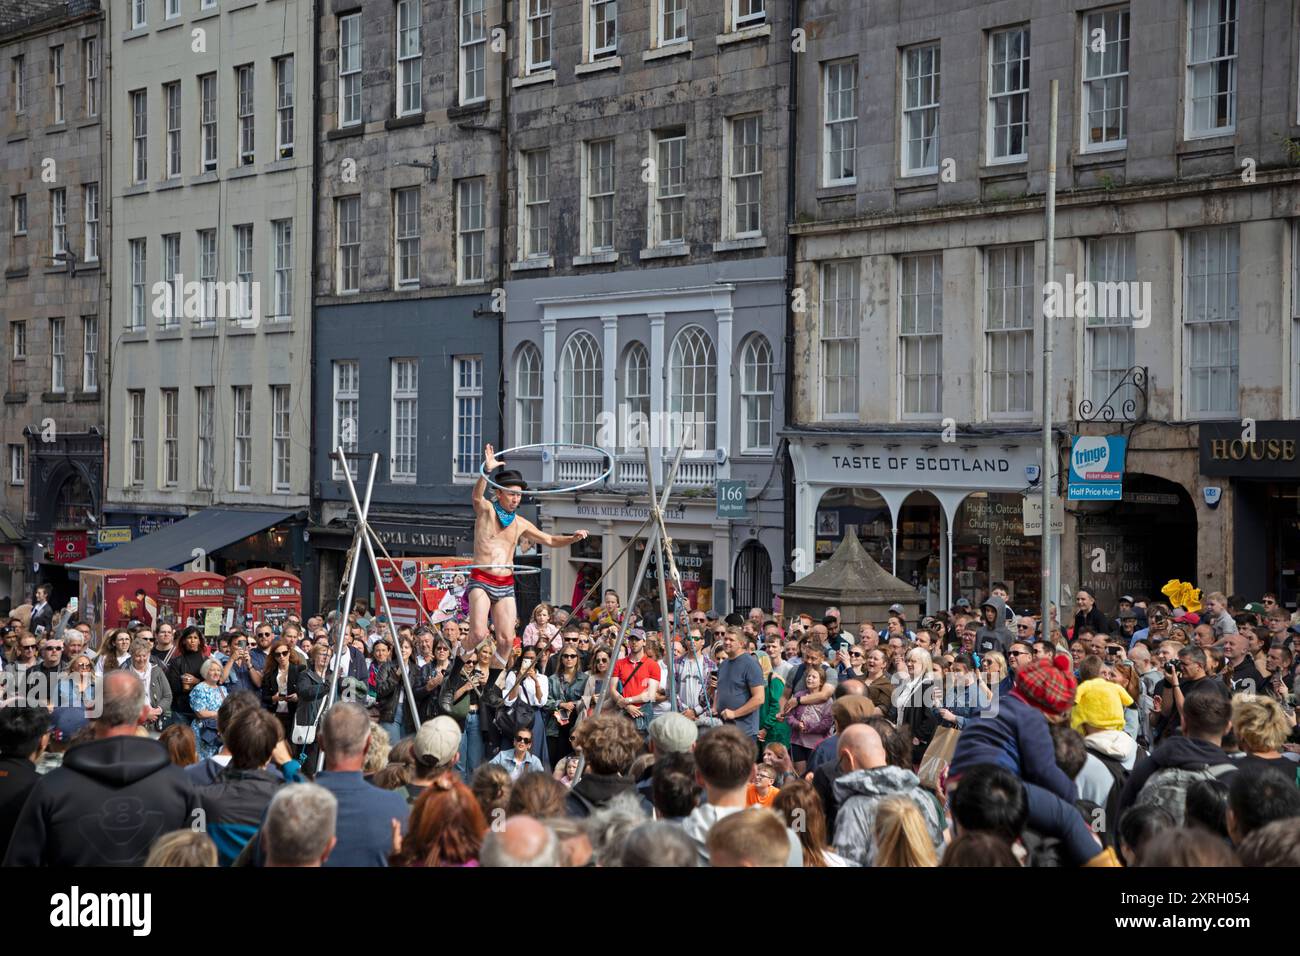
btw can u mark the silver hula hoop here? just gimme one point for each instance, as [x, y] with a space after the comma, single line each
[482, 469]
[514, 568]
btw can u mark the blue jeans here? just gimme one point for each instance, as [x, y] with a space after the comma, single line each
[471, 748]
[394, 731]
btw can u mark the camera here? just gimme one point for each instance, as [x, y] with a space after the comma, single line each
[1174, 667]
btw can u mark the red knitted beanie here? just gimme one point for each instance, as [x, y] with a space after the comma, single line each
[1048, 684]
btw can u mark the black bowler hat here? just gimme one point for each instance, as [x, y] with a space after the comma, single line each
[510, 478]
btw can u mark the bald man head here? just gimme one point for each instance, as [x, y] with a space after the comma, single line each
[851, 688]
[860, 748]
[521, 842]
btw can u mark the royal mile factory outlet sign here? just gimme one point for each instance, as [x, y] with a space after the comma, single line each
[917, 464]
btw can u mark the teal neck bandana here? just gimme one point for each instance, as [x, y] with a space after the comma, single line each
[505, 517]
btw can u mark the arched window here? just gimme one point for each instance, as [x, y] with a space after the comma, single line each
[580, 389]
[528, 396]
[636, 397]
[693, 389]
[756, 395]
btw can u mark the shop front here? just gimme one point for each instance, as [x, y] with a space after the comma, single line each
[402, 535]
[945, 517]
[1262, 472]
[702, 546]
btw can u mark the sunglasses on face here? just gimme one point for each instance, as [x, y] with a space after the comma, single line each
[54, 647]
[568, 657]
[27, 647]
[265, 634]
[281, 653]
[523, 740]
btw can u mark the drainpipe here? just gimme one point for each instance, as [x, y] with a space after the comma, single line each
[503, 211]
[791, 180]
[313, 502]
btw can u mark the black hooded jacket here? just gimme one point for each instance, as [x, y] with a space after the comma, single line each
[104, 807]
[1186, 752]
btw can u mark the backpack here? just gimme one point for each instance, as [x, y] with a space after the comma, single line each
[1110, 812]
[1167, 787]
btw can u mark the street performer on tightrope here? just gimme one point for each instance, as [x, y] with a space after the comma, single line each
[497, 530]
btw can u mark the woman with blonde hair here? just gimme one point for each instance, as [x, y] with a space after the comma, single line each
[1262, 727]
[901, 835]
[183, 848]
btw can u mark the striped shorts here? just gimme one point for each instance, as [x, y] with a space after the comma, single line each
[497, 586]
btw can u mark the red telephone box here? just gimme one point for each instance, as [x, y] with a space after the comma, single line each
[108, 599]
[439, 583]
[261, 594]
[186, 597]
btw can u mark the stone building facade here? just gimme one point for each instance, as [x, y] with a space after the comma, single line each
[409, 205]
[54, 247]
[211, 195]
[923, 152]
[647, 274]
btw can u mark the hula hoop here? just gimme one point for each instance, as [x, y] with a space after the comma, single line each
[482, 469]
[514, 568]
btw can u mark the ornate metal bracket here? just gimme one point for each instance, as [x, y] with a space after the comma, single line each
[1133, 408]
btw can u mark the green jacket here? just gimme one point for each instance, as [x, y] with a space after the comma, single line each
[778, 731]
[562, 693]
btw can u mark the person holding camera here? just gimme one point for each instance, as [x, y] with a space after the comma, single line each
[237, 669]
[1183, 676]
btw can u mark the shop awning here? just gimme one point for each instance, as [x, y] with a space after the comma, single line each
[173, 545]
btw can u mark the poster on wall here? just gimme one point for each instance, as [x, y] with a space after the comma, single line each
[828, 524]
[1097, 467]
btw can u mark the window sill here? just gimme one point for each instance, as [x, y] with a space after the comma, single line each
[401, 122]
[15, 398]
[237, 327]
[280, 166]
[19, 273]
[138, 189]
[166, 184]
[674, 251]
[239, 172]
[999, 167]
[837, 191]
[85, 396]
[1099, 157]
[925, 180]
[134, 335]
[54, 397]
[277, 326]
[1205, 142]
[532, 265]
[136, 33]
[345, 132]
[205, 14]
[203, 331]
[15, 137]
[241, 6]
[167, 334]
[201, 178]
[596, 259]
[56, 128]
[734, 245]
[663, 52]
[469, 109]
[598, 66]
[533, 79]
[87, 122]
[171, 24]
[743, 34]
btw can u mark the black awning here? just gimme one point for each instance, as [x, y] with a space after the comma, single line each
[172, 546]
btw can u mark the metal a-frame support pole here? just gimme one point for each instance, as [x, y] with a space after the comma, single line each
[364, 529]
[340, 647]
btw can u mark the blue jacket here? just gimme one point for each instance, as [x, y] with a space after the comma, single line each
[235, 805]
[363, 829]
[1015, 737]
